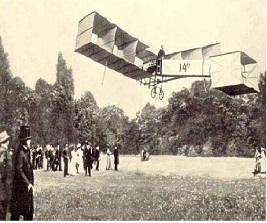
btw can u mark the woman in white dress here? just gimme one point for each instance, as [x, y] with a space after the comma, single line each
[108, 167]
[77, 158]
[260, 165]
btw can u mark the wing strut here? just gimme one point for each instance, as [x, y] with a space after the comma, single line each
[104, 71]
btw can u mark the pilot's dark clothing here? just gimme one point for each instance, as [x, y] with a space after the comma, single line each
[161, 54]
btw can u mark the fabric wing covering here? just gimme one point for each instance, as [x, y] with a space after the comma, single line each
[197, 58]
[109, 45]
[234, 73]
[200, 53]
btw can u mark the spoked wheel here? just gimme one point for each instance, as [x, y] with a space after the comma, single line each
[161, 94]
[153, 92]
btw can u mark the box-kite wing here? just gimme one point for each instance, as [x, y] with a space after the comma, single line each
[234, 73]
[109, 45]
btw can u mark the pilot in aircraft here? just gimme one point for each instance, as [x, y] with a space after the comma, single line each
[160, 56]
[161, 53]
[152, 68]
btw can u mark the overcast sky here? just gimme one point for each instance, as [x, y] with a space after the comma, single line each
[33, 32]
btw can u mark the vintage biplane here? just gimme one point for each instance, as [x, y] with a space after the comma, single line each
[104, 42]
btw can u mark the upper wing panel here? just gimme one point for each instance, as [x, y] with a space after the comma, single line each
[200, 53]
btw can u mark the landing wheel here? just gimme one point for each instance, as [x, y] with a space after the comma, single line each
[161, 94]
[153, 92]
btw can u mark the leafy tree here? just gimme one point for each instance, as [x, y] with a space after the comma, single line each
[62, 112]
[147, 120]
[5, 79]
[117, 125]
[132, 138]
[65, 78]
[87, 117]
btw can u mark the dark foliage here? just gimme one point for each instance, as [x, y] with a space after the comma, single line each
[197, 122]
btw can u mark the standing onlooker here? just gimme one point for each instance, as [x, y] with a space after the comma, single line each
[87, 158]
[23, 180]
[77, 157]
[39, 158]
[60, 157]
[263, 157]
[47, 157]
[108, 166]
[57, 158]
[97, 158]
[260, 165]
[42, 157]
[93, 156]
[66, 160]
[116, 158]
[53, 158]
[144, 155]
[5, 175]
[70, 149]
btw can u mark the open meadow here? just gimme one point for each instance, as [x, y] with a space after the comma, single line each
[163, 188]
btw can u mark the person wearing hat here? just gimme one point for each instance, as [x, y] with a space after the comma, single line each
[116, 158]
[66, 160]
[23, 179]
[87, 158]
[108, 166]
[5, 175]
[77, 157]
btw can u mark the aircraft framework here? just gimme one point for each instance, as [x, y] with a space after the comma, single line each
[104, 42]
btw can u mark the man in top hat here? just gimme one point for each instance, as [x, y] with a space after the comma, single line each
[116, 158]
[23, 180]
[66, 160]
[87, 158]
[5, 175]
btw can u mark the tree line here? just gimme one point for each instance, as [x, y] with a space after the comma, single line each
[198, 121]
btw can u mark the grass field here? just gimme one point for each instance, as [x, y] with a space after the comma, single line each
[164, 188]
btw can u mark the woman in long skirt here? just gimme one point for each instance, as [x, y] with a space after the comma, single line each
[78, 160]
[108, 167]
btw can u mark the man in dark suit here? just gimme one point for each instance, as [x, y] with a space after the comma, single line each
[52, 157]
[39, 158]
[66, 160]
[116, 158]
[87, 158]
[23, 179]
[57, 158]
[60, 152]
[47, 157]
[161, 53]
[96, 157]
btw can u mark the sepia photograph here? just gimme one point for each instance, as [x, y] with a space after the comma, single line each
[133, 110]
